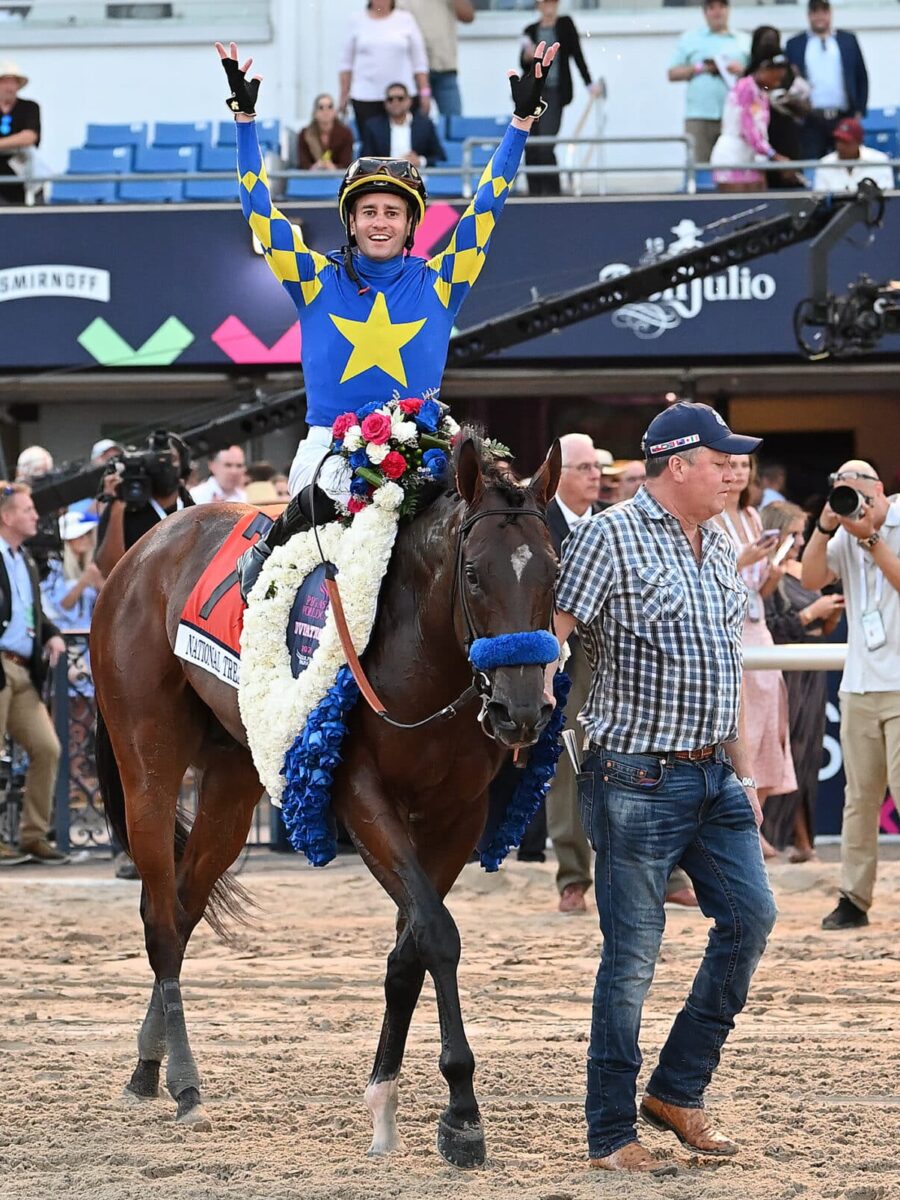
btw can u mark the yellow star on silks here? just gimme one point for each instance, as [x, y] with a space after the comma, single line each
[376, 341]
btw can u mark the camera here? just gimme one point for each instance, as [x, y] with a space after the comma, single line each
[847, 502]
[145, 474]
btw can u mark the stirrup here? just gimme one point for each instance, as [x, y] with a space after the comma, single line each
[249, 565]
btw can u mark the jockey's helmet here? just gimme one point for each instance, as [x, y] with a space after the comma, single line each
[395, 176]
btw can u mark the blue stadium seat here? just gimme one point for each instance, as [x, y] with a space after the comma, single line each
[882, 130]
[211, 189]
[182, 133]
[460, 128]
[114, 160]
[151, 191]
[225, 135]
[218, 158]
[704, 181]
[82, 193]
[314, 187]
[445, 186]
[98, 136]
[169, 158]
[269, 134]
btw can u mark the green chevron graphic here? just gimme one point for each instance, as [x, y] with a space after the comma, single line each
[111, 350]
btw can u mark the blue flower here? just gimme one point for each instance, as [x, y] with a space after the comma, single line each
[358, 458]
[429, 416]
[359, 487]
[435, 463]
[372, 406]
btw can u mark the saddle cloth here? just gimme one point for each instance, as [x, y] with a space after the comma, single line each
[209, 632]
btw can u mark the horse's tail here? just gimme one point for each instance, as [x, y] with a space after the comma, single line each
[228, 900]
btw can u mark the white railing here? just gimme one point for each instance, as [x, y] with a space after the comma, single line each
[800, 656]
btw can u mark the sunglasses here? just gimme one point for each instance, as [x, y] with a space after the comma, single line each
[396, 98]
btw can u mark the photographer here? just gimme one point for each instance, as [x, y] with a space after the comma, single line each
[150, 487]
[857, 540]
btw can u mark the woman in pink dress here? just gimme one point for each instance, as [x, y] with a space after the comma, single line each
[745, 127]
[764, 708]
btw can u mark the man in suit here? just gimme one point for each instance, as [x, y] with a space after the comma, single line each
[401, 133]
[832, 62]
[28, 641]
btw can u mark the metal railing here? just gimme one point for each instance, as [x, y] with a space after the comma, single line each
[796, 656]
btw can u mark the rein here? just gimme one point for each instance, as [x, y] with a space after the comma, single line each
[481, 682]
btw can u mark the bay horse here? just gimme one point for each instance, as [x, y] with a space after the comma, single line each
[414, 802]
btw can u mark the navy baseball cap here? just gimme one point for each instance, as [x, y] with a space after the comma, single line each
[685, 426]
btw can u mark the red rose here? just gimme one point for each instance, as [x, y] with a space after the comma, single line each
[410, 406]
[376, 428]
[394, 465]
[344, 422]
[355, 505]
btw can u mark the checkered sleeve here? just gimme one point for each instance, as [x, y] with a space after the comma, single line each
[460, 264]
[586, 574]
[291, 261]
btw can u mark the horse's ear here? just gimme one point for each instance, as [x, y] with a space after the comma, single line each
[545, 480]
[469, 481]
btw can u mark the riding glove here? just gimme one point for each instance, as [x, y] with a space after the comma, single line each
[243, 91]
[526, 93]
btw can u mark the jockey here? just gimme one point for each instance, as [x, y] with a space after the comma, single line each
[376, 320]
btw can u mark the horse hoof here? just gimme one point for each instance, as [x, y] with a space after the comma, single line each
[131, 1096]
[191, 1113]
[380, 1149]
[461, 1147]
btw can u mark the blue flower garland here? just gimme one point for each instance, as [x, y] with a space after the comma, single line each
[309, 768]
[535, 781]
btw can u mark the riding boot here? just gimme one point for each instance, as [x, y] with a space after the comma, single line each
[296, 518]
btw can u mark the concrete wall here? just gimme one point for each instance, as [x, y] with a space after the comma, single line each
[102, 79]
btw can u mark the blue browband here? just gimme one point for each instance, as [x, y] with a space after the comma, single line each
[514, 650]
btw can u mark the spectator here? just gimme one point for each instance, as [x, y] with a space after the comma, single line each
[282, 487]
[226, 478]
[653, 590]
[833, 64]
[20, 129]
[258, 471]
[633, 477]
[766, 732]
[745, 128]
[382, 44]
[796, 614]
[32, 464]
[401, 133]
[326, 144]
[862, 552]
[773, 478]
[26, 637]
[708, 60]
[788, 108]
[71, 589]
[437, 20]
[550, 28]
[842, 170]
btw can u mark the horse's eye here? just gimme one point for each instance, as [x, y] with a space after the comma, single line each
[471, 574]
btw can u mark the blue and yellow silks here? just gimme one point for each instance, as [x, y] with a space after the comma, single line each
[391, 340]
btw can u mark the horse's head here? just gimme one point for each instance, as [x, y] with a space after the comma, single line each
[505, 576]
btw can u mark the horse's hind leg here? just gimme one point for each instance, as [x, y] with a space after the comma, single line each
[402, 985]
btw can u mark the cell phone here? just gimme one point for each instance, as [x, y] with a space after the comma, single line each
[782, 552]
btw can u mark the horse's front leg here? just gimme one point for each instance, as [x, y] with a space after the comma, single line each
[402, 985]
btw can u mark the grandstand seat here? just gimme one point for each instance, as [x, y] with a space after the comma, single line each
[460, 128]
[444, 186]
[211, 189]
[225, 134]
[704, 181]
[111, 160]
[318, 186]
[99, 136]
[64, 192]
[882, 130]
[182, 133]
[268, 132]
[151, 191]
[171, 159]
[217, 158]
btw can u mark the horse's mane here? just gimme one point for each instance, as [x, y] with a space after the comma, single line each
[496, 477]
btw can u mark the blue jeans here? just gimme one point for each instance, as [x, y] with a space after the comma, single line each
[643, 814]
[445, 92]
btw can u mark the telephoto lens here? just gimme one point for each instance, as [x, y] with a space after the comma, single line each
[846, 501]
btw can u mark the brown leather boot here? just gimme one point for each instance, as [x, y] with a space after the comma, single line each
[691, 1126]
[633, 1157]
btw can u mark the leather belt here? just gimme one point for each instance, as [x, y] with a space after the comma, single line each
[18, 659]
[699, 755]
[831, 114]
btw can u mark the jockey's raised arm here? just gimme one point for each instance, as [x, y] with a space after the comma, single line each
[376, 319]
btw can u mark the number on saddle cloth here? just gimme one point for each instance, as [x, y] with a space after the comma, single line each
[307, 620]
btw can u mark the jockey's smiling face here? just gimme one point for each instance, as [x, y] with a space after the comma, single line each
[380, 224]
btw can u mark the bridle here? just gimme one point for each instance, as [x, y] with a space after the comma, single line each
[482, 684]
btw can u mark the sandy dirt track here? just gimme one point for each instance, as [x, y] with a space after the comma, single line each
[285, 1028]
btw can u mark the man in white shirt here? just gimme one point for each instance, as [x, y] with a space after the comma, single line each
[227, 470]
[401, 133]
[863, 551]
[842, 170]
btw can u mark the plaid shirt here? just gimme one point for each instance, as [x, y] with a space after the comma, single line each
[662, 633]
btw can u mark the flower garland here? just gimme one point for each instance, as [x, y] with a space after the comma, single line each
[534, 784]
[274, 705]
[394, 448]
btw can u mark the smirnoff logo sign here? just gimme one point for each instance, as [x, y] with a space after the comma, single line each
[664, 311]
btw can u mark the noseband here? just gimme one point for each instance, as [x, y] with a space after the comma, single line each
[484, 653]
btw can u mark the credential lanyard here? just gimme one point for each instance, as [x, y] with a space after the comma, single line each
[864, 585]
[161, 512]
